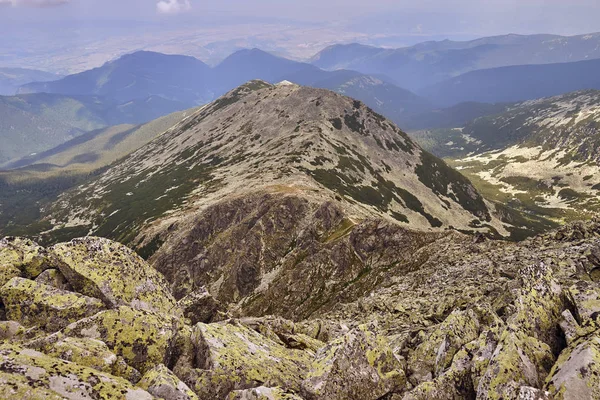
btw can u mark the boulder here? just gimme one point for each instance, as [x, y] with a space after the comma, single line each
[115, 274]
[91, 353]
[432, 357]
[262, 393]
[142, 338]
[230, 356]
[199, 306]
[31, 303]
[519, 360]
[586, 299]
[10, 330]
[455, 383]
[576, 374]
[282, 331]
[25, 255]
[53, 277]
[358, 366]
[529, 393]
[29, 374]
[163, 383]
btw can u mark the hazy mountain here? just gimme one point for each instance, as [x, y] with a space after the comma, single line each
[430, 62]
[13, 78]
[518, 83]
[138, 76]
[37, 122]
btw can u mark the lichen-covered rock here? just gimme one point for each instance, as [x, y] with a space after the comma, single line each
[29, 374]
[31, 303]
[163, 383]
[433, 356]
[569, 327]
[230, 356]
[262, 393]
[10, 329]
[25, 255]
[199, 306]
[586, 298]
[519, 360]
[282, 331]
[455, 383]
[576, 374]
[529, 393]
[141, 337]
[115, 274]
[91, 353]
[540, 305]
[358, 366]
[53, 277]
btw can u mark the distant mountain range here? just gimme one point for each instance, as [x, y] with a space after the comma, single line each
[36, 122]
[13, 78]
[428, 63]
[517, 83]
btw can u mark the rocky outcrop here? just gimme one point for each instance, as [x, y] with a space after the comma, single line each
[31, 303]
[23, 255]
[28, 374]
[113, 273]
[230, 356]
[358, 366]
[454, 319]
[262, 393]
[576, 374]
[163, 383]
[142, 338]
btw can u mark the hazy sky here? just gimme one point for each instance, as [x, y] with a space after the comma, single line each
[479, 17]
[67, 36]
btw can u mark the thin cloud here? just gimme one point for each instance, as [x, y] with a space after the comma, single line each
[172, 6]
[33, 3]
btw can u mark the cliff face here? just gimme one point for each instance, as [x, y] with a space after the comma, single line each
[430, 316]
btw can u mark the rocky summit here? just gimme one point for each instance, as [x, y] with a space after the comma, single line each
[436, 316]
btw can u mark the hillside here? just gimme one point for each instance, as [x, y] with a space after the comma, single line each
[542, 156]
[13, 78]
[34, 123]
[427, 63]
[517, 83]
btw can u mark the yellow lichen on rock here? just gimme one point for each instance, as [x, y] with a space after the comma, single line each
[31, 303]
[115, 274]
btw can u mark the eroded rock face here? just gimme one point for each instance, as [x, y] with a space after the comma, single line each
[53, 277]
[576, 374]
[142, 338]
[230, 356]
[163, 383]
[262, 393]
[91, 353]
[199, 306]
[29, 374]
[358, 366]
[111, 272]
[25, 255]
[31, 303]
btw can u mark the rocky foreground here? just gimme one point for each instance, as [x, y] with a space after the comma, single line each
[476, 319]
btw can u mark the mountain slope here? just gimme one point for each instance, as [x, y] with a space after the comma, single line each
[517, 83]
[430, 62]
[37, 122]
[542, 156]
[137, 76]
[13, 78]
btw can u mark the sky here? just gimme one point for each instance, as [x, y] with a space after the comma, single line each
[67, 36]
[481, 17]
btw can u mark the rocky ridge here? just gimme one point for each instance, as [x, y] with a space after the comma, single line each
[468, 319]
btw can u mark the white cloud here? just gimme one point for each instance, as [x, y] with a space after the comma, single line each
[172, 6]
[33, 3]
